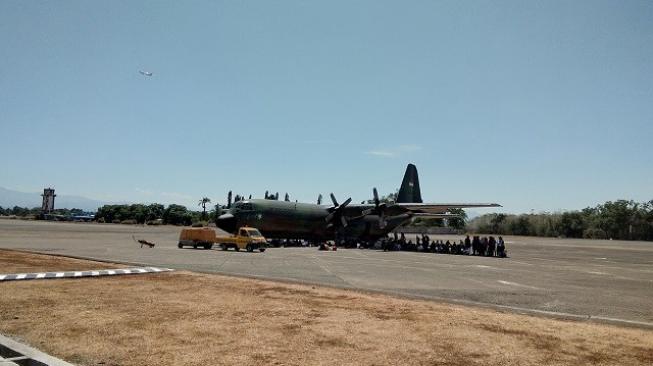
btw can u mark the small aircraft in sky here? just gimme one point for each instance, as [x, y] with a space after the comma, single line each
[344, 221]
[145, 73]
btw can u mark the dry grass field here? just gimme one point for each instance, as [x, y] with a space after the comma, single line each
[184, 318]
[20, 262]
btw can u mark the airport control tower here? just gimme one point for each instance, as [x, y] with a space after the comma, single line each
[48, 200]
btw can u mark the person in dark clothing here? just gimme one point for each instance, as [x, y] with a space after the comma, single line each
[492, 243]
[501, 248]
[476, 245]
[484, 244]
[468, 245]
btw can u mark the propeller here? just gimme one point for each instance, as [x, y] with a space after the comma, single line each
[336, 213]
[379, 209]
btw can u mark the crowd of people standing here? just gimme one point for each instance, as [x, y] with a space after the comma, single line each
[481, 246]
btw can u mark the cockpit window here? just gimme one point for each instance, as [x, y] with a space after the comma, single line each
[245, 206]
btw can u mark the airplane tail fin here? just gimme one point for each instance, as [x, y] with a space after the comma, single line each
[409, 191]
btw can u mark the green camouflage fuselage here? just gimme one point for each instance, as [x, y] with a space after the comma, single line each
[281, 219]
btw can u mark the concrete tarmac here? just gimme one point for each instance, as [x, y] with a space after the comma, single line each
[610, 281]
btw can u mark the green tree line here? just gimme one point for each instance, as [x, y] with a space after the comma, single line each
[36, 211]
[133, 214]
[140, 214]
[622, 219]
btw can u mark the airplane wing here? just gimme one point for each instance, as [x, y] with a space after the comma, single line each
[438, 208]
[436, 216]
[421, 209]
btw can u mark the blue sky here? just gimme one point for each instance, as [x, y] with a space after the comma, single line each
[543, 105]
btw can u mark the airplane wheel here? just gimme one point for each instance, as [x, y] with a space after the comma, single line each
[208, 246]
[223, 247]
[179, 245]
[249, 248]
[261, 249]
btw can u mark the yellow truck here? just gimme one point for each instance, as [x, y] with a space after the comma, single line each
[247, 238]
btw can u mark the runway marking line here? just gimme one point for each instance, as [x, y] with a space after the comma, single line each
[78, 274]
[517, 285]
[528, 310]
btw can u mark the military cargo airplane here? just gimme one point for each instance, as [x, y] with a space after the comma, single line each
[343, 222]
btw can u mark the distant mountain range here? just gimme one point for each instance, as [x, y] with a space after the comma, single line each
[11, 198]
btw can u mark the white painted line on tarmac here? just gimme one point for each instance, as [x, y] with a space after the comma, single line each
[376, 259]
[520, 262]
[545, 259]
[528, 310]
[79, 274]
[518, 285]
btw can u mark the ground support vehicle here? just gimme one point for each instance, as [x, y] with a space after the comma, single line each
[197, 237]
[247, 238]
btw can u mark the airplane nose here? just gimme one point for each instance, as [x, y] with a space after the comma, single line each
[227, 222]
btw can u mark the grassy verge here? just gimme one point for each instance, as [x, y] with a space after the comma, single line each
[185, 318]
